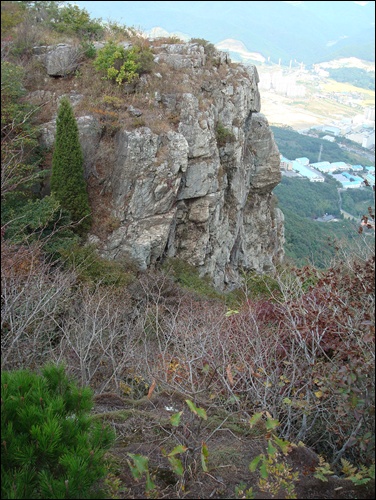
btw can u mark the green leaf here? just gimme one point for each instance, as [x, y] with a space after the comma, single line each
[140, 465]
[230, 312]
[320, 475]
[149, 483]
[191, 406]
[204, 457]
[263, 470]
[197, 411]
[178, 449]
[359, 481]
[282, 444]
[271, 424]
[256, 417]
[175, 419]
[202, 413]
[253, 465]
[271, 450]
[176, 465]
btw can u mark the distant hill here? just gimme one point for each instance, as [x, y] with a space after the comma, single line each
[310, 241]
[309, 32]
[292, 144]
[238, 51]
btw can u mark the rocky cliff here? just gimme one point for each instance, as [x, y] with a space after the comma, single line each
[192, 176]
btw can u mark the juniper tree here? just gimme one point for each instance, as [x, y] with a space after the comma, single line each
[67, 178]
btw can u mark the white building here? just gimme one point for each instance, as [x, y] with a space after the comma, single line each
[331, 130]
[369, 114]
[329, 138]
[304, 161]
[339, 165]
[368, 140]
[364, 137]
[285, 163]
[323, 166]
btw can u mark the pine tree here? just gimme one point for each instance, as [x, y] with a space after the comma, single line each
[67, 178]
[51, 446]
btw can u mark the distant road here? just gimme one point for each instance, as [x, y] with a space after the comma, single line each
[345, 214]
[348, 216]
[362, 152]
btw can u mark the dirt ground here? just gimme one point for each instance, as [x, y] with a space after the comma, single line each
[284, 115]
[143, 427]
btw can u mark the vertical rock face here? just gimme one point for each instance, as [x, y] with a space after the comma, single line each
[199, 187]
[203, 191]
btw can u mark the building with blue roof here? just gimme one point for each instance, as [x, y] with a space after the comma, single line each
[353, 178]
[323, 166]
[349, 181]
[357, 168]
[371, 179]
[309, 173]
[339, 165]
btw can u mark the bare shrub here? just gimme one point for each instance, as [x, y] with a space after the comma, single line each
[33, 295]
[305, 355]
[25, 36]
[326, 326]
[35, 74]
[174, 337]
[97, 341]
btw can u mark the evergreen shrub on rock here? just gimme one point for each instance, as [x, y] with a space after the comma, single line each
[67, 178]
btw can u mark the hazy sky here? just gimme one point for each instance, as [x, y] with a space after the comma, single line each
[128, 12]
[277, 29]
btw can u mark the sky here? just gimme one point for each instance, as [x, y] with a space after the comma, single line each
[122, 11]
[278, 29]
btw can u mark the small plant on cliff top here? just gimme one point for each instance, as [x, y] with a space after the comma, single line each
[223, 135]
[122, 65]
[51, 448]
[193, 447]
[209, 48]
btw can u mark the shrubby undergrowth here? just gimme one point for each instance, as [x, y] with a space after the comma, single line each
[298, 345]
[303, 349]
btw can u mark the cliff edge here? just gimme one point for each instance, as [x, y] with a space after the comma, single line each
[189, 172]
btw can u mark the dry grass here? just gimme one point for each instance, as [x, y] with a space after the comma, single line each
[333, 86]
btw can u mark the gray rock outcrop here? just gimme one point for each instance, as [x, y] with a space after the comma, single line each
[201, 188]
[59, 60]
[184, 194]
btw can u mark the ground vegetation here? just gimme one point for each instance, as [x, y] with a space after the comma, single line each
[263, 392]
